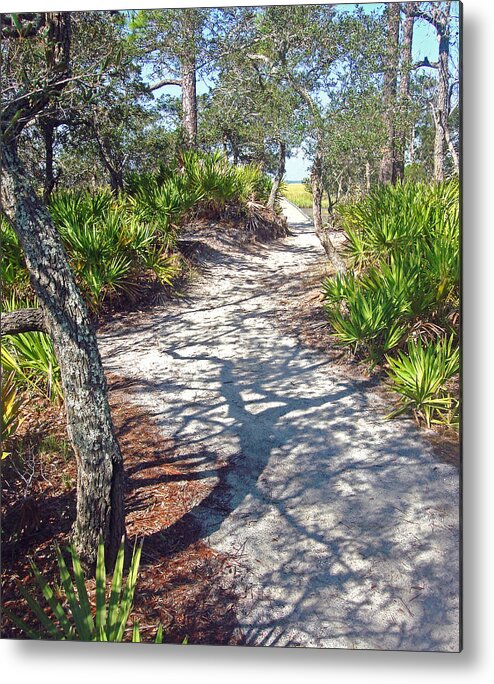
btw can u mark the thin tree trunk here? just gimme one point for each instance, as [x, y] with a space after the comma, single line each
[388, 172]
[442, 101]
[330, 199]
[115, 174]
[189, 101]
[404, 89]
[411, 145]
[454, 154]
[100, 502]
[280, 172]
[317, 191]
[322, 231]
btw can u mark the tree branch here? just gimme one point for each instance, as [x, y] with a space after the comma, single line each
[425, 63]
[164, 82]
[23, 320]
[434, 21]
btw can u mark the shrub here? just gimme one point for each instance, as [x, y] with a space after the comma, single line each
[396, 218]
[77, 621]
[403, 249]
[31, 358]
[13, 272]
[403, 244]
[111, 241]
[420, 376]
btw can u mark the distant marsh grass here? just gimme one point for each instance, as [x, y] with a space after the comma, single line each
[298, 195]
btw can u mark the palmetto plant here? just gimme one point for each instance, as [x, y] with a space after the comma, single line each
[370, 312]
[420, 376]
[162, 204]
[403, 245]
[392, 219]
[12, 404]
[72, 618]
[13, 272]
[69, 207]
[31, 357]
[111, 240]
[371, 321]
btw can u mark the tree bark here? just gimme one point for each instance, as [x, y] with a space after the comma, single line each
[48, 129]
[23, 320]
[100, 507]
[441, 110]
[452, 151]
[280, 172]
[388, 170]
[189, 101]
[189, 104]
[327, 190]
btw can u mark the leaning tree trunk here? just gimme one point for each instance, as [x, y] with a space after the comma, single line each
[100, 508]
[322, 231]
[280, 172]
[388, 171]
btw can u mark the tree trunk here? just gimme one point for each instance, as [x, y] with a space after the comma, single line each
[452, 151]
[388, 171]
[330, 198]
[48, 129]
[116, 179]
[441, 110]
[114, 172]
[411, 145]
[189, 101]
[280, 172]
[322, 231]
[404, 90]
[100, 503]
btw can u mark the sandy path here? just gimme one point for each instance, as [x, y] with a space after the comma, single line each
[346, 525]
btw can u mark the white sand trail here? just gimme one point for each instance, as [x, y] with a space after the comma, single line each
[346, 525]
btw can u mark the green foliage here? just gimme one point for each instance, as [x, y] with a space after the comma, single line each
[203, 182]
[298, 194]
[110, 241]
[370, 317]
[13, 272]
[73, 618]
[403, 244]
[394, 218]
[420, 376]
[31, 358]
[12, 404]
[220, 185]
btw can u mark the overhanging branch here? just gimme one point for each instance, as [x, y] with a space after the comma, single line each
[165, 82]
[22, 321]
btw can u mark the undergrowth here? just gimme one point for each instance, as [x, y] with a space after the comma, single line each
[398, 304]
